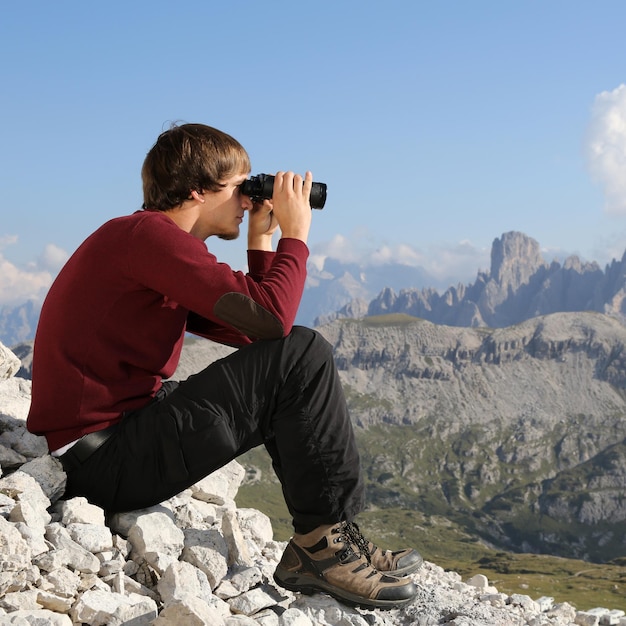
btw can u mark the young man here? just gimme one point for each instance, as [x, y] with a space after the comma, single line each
[111, 331]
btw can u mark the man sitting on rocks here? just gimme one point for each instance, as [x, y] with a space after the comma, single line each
[111, 332]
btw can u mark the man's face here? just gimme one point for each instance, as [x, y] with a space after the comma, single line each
[225, 208]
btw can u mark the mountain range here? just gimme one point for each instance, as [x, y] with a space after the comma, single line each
[517, 434]
[18, 323]
[519, 285]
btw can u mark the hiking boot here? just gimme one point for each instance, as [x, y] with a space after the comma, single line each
[397, 563]
[334, 559]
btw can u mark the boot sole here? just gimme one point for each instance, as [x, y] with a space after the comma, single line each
[308, 586]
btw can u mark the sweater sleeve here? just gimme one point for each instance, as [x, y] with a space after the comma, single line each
[228, 306]
[259, 263]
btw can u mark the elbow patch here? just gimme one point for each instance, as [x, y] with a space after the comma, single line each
[248, 317]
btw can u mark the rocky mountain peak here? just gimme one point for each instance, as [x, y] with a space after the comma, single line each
[515, 257]
[520, 285]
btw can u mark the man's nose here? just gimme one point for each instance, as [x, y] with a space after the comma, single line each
[246, 202]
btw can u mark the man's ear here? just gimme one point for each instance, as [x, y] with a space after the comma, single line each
[198, 197]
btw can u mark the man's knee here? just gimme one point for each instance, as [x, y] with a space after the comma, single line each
[310, 340]
[310, 351]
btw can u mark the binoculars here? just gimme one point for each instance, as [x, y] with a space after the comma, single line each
[261, 188]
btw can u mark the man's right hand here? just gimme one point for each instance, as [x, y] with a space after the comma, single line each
[291, 205]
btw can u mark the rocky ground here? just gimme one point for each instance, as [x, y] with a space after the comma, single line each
[195, 559]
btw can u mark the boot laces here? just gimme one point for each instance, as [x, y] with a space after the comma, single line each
[352, 535]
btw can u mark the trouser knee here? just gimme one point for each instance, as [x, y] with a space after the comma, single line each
[309, 341]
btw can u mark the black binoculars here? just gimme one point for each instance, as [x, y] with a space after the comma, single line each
[261, 188]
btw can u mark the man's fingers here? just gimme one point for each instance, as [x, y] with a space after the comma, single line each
[308, 184]
[288, 180]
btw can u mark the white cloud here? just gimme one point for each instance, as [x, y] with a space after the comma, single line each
[19, 284]
[447, 263]
[607, 147]
[459, 262]
[342, 248]
[400, 253]
[52, 258]
[7, 240]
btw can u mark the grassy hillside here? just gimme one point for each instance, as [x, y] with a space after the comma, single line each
[448, 542]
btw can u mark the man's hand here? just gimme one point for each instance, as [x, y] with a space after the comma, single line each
[291, 206]
[261, 226]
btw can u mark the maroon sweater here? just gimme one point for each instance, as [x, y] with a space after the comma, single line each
[113, 323]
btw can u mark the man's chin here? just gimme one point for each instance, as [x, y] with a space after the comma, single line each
[228, 236]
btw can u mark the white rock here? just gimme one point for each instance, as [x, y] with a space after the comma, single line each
[238, 553]
[41, 617]
[110, 566]
[34, 537]
[99, 608]
[256, 526]
[189, 611]
[92, 537]
[495, 599]
[9, 458]
[586, 618]
[545, 603]
[24, 488]
[251, 602]
[6, 504]
[246, 578]
[226, 590]
[563, 611]
[24, 511]
[49, 475]
[79, 510]
[206, 510]
[9, 363]
[121, 545]
[130, 585]
[181, 579]
[240, 620]
[15, 553]
[62, 581]
[188, 515]
[15, 401]
[157, 539]
[20, 600]
[612, 617]
[121, 523]
[267, 618]
[294, 617]
[526, 602]
[207, 550]
[66, 553]
[55, 602]
[479, 581]
[220, 486]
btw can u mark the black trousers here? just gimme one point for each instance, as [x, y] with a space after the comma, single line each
[282, 393]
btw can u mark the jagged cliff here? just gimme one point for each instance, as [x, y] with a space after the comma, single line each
[519, 285]
[518, 432]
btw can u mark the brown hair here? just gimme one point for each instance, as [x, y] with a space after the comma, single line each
[186, 158]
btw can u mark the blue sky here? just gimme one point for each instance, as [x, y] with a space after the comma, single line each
[438, 125]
